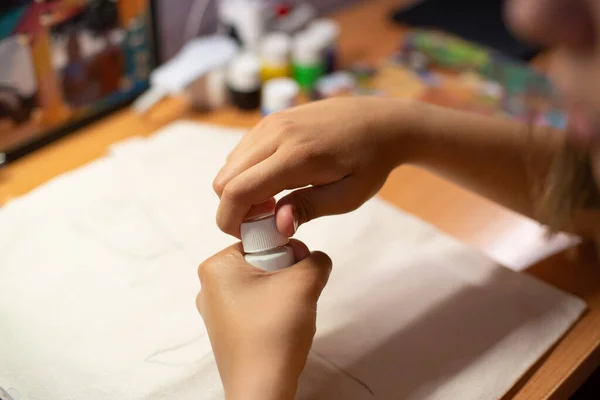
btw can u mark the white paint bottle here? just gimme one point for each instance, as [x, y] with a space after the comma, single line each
[279, 94]
[327, 32]
[265, 247]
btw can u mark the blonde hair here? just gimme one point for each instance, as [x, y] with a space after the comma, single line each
[567, 188]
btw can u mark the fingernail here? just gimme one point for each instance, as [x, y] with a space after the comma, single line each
[286, 220]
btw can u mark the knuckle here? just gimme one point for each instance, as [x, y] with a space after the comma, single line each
[221, 223]
[313, 279]
[280, 124]
[199, 302]
[224, 225]
[207, 271]
[287, 128]
[310, 157]
[353, 204]
[232, 191]
[323, 165]
[218, 185]
[322, 259]
[219, 267]
[308, 154]
[203, 271]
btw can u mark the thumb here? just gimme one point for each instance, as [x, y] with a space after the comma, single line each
[312, 273]
[228, 266]
[306, 204]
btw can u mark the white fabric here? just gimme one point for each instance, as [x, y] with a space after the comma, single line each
[98, 281]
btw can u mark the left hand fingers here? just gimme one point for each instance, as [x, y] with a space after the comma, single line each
[230, 264]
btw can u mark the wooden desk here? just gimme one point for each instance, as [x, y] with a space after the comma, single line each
[494, 230]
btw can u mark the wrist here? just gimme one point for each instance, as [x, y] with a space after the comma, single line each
[262, 380]
[399, 125]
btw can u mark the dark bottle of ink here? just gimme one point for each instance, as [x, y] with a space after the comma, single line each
[244, 82]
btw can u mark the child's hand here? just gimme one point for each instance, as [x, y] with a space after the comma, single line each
[261, 325]
[344, 147]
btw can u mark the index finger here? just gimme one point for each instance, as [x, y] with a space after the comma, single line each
[254, 186]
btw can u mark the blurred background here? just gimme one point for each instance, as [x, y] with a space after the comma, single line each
[170, 15]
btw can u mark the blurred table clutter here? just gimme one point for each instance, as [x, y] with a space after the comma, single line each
[456, 73]
[427, 65]
[64, 63]
[359, 51]
[481, 21]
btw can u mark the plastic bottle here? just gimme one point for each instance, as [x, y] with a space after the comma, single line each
[327, 32]
[243, 21]
[307, 60]
[243, 81]
[265, 247]
[216, 89]
[279, 94]
[275, 56]
[209, 92]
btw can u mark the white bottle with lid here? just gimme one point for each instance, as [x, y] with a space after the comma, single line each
[265, 247]
[327, 29]
[279, 94]
[327, 32]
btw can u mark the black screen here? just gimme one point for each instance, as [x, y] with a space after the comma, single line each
[479, 21]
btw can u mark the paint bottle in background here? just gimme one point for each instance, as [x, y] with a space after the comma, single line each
[216, 89]
[265, 247]
[307, 60]
[275, 56]
[243, 81]
[209, 92]
[327, 32]
[243, 21]
[279, 94]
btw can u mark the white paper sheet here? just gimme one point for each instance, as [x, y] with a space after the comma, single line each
[98, 281]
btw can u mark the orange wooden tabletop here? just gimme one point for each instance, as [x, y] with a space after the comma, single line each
[367, 35]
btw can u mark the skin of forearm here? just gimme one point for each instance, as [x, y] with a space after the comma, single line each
[499, 159]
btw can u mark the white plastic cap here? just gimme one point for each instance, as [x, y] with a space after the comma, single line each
[308, 49]
[275, 48]
[279, 94]
[244, 73]
[261, 234]
[326, 30]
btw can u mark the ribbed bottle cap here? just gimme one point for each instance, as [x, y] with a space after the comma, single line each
[261, 234]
